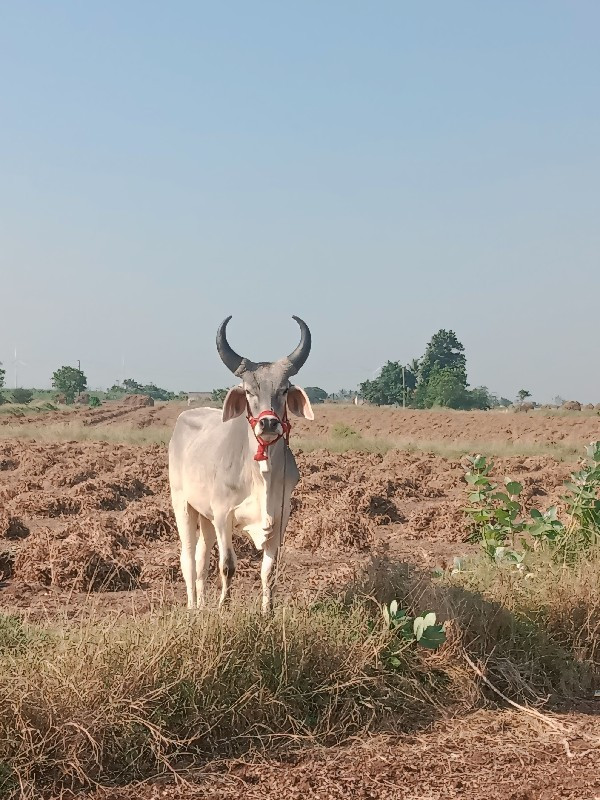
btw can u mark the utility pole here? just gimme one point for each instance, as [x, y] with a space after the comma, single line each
[403, 389]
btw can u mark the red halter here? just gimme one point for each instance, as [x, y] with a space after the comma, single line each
[261, 452]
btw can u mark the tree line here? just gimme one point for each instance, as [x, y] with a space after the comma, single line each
[438, 378]
[71, 382]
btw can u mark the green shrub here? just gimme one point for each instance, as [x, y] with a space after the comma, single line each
[22, 396]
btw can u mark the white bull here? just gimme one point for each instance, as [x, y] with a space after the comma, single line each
[217, 483]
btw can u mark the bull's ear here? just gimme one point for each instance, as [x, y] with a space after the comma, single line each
[235, 403]
[298, 403]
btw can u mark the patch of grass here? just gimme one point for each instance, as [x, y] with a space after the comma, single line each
[539, 631]
[357, 444]
[77, 432]
[104, 703]
[451, 450]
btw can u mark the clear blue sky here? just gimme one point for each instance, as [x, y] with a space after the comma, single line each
[380, 169]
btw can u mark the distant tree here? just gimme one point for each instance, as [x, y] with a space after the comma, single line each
[155, 392]
[390, 386]
[523, 394]
[504, 402]
[444, 352]
[131, 386]
[316, 394]
[69, 381]
[559, 401]
[443, 388]
[480, 398]
[22, 396]
[2, 375]
[342, 396]
[218, 395]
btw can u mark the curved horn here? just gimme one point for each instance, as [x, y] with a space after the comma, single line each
[228, 356]
[300, 354]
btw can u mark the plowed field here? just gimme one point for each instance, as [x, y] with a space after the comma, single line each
[88, 524]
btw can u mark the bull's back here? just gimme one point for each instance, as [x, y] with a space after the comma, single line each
[193, 431]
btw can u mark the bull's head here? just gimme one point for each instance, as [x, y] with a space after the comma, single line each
[265, 385]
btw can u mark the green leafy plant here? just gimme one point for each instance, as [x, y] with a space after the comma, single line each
[546, 525]
[496, 519]
[583, 506]
[421, 629]
[95, 402]
[494, 512]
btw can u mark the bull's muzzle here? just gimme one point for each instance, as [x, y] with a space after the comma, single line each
[268, 427]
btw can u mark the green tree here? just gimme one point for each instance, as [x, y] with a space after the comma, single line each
[444, 388]
[391, 386]
[315, 394]
[480, 398]
[22, 396]
[70, 381]
[131, 386]
[218, 395]
[444, 352]
[523, 394]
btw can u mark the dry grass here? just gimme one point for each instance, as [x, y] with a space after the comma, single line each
[342, 439]
[105, 701]
[500, 449]
[77, 432]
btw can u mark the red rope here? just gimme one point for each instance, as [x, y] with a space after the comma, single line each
[263, 446]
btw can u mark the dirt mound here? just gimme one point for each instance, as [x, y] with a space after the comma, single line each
[11, 527]
[572, 405]
[338, 507]
[84, 558]
[111, 495]
[137, 400]
[147, 522]
[7, 565]
[46, 504]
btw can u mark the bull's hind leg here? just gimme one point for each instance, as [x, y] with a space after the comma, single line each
[187, 525]
[227, 559]
[206, 541]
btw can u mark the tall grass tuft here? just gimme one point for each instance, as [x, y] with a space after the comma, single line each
[99, 702]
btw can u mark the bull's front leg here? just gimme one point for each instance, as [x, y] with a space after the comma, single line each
[267, 576]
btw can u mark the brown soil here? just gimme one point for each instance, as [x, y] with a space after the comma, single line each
[89, 524]
[498, 756]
